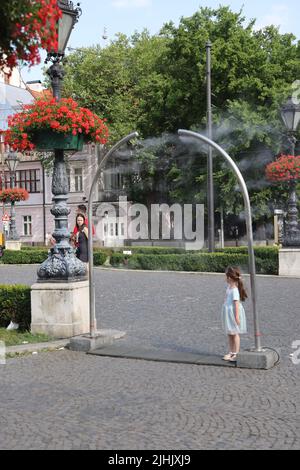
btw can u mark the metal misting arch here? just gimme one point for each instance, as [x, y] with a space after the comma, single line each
[93, 329]
[182, 133]
[195, 135]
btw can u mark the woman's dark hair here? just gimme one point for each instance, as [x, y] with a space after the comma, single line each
[82, 226]
[235, 274]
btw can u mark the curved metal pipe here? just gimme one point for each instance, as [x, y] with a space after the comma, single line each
[184, 133]
[93, 321]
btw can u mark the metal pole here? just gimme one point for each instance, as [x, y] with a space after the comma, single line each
[210, 181]
[222, 226]
[93, 320]
[292, 236]
[245, 193]
[13, 235]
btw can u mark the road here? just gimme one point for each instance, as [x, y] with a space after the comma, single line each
[70, 400]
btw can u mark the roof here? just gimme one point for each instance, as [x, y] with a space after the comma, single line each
[40, 94]
[11, 100]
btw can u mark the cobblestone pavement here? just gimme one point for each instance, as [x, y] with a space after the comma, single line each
[70, 400]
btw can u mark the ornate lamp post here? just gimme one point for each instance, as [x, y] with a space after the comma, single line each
[12, 162]
[62, 264]
[290, 113]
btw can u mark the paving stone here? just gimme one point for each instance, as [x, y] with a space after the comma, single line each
[68, 399]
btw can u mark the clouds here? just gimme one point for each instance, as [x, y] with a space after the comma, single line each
[131, 3]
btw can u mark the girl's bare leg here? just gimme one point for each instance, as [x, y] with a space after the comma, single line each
[236, 343]
[231, 343]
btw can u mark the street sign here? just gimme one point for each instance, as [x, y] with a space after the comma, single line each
[5, 217]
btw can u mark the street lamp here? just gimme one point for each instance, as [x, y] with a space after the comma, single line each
[66, 23]
[290, 113]
[12, 162]
[62, 264]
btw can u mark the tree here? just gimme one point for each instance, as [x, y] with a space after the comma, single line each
[156, 84]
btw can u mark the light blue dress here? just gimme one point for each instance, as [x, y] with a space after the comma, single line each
[228, 317]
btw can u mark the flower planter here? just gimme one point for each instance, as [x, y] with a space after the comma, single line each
[48, 140]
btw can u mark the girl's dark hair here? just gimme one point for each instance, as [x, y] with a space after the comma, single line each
[83, 216]
[235, 274]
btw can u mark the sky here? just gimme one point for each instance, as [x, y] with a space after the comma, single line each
[128, 16]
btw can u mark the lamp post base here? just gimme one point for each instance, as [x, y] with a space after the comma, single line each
[292, 239]
[62, 266]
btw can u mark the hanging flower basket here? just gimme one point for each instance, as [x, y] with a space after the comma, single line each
[47, 140]
[50, 124]
[29, 26]
[285, 168]
[13, 195]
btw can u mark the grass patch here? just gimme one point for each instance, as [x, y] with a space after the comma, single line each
[14, 337]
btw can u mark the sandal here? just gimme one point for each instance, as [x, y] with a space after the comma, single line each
[227, 356]
[233, 357]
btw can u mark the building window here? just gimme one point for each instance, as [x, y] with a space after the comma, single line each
[78, 180]
[26, 179]
[5, 180]
[27, 225]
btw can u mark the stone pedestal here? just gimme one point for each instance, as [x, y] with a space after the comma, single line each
[265, 359]
[13, 245]
[289, 262]
[60, 310]
[102, 339]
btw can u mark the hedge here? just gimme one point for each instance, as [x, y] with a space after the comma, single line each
[15, 304]
[153, 250]
[24, 256]
[36, 256]
[206, 262]
[99, 258]
[159, 258]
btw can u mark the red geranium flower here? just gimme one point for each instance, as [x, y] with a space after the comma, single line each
[64, 116]
[13, 195]
[36, 28]
[285, 168]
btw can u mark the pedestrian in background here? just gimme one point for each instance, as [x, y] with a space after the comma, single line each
[233, 313]
[82, 235]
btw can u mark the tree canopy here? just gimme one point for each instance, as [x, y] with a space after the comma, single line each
[157, 84]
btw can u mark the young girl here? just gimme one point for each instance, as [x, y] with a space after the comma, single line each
[233, 313]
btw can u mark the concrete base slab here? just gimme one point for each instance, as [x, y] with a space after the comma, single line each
[159, 355]
[60, 310]
[266, 359]
[13, 245]
[289, 262]
[102, 339]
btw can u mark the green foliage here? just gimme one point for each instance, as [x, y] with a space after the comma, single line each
[15, 305]
[160, 258]
[15, 337]
[118, 259]
[155, 250]
[190, 262]
[156, 84]
[27, 256]
[99, 258]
